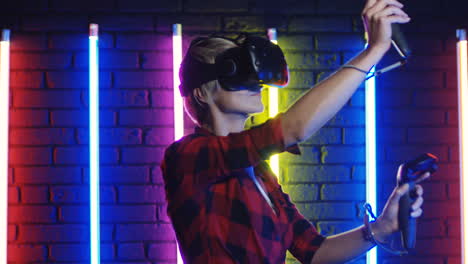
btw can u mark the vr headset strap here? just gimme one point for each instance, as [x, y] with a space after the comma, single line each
[192, 81]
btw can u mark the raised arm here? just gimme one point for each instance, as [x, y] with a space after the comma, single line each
[323, 101]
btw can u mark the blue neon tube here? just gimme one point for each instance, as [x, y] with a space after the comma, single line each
[94, 143]
[371, 156]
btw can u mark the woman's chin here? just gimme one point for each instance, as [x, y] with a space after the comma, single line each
[247, 110]
[257, 111]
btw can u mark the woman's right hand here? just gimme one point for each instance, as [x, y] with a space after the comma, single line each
[378, 16]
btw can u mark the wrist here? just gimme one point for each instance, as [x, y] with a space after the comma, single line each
[368, 58]
[372, 233]
[377, 50]
[380, 231]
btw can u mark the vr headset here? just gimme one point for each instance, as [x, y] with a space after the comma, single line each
[255, 63]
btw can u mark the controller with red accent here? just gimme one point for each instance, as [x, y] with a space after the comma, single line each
[410, 172]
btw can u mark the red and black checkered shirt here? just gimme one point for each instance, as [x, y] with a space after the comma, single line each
[217, 211]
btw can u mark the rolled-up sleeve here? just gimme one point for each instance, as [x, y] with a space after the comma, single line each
[248, 148]
[209, 158]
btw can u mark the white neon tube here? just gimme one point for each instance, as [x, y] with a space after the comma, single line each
[4, 103]
[371, 160]
[273, 105]
[462, 62]
[178, 103]
[94, 143]
[177, 60]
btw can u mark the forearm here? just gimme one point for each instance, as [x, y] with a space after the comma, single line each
[351, 245]
[323, 101]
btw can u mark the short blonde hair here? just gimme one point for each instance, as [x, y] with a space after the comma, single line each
[205, 51]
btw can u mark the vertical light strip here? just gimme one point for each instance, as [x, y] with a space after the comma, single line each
[178, 104]
[371, 156]
[94, 143]
[462, 59]
[4, 104]
[273, 105]
[177, 60]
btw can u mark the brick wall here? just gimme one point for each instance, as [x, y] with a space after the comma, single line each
[48, 180]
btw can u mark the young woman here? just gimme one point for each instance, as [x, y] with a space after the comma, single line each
[224, 202]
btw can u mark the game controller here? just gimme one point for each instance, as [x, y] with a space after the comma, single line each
[410, 172]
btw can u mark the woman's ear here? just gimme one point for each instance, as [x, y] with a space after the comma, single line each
[200, 96]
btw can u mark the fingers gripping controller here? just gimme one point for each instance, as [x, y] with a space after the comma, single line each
[380, 18]
[412, 172]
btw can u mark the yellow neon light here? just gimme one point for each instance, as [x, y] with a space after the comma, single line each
[273, 105]
[4, 103]
[462, 59]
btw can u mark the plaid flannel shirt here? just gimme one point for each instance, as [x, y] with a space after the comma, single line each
[218, 214]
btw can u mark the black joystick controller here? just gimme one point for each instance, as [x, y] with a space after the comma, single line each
[411, 172]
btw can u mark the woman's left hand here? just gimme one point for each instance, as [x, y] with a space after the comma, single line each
[387, 223]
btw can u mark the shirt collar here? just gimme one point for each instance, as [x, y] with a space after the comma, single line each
[203, 131]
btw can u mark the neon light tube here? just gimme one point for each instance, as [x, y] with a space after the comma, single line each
[273, 105]
[94, 143]
[371, 156]
[178, 103]
[462, 62]
[177, 60]
[4, 104]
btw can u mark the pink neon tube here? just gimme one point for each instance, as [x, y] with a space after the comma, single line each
[178, 104]
[462, 59]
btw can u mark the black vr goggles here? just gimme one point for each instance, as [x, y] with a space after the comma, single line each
[255, 63]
